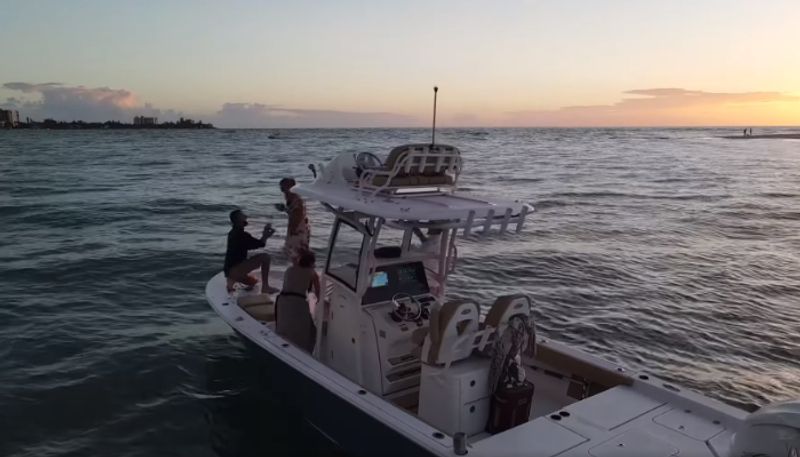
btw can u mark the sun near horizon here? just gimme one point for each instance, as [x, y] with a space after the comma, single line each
[373, 64]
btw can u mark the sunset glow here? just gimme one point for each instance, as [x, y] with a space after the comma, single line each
[350, 63]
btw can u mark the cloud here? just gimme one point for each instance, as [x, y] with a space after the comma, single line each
[62, 102]
[658, 106]
[258, 115]
[29, 88]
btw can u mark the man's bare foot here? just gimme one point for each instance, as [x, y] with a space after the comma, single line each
[269, 290]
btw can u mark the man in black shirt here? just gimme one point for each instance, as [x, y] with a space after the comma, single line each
[237, 265]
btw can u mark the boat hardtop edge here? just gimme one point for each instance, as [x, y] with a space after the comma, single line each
[393, 347]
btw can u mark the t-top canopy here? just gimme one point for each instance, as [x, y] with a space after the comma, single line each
[466, 210]
[417, 184]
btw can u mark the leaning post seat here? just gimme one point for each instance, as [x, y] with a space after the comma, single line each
[414, 165]
[454, 383]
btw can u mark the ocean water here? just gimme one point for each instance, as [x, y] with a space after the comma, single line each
[668, 250]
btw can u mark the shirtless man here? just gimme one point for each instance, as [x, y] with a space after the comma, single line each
[237, 265]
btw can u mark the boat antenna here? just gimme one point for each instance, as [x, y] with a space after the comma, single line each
[433, 131]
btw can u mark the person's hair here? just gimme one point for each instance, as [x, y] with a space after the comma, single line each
[288, 182]
[306, 258]
[234, 215]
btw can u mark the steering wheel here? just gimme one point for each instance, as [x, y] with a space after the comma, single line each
[366, 160]
[410, 311]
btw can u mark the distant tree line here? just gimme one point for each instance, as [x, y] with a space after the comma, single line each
[76, 125]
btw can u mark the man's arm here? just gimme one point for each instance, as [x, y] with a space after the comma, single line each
[254, 243]
[267, 232]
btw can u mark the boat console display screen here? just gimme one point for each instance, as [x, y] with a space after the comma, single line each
[389, 280]
[380, 279]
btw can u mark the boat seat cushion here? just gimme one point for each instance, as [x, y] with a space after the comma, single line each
[259, 306]
[393, 156]
[506, 306]
[397, 181]
[428, 158]
[254, 299]
[413, 180]
[263, 313]
[448, 323]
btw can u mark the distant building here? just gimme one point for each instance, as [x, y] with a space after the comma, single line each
[9, 118]
[141, 121]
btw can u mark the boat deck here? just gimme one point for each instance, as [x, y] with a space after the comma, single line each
[621, 421]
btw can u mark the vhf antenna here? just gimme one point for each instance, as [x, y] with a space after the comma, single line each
[433, 131]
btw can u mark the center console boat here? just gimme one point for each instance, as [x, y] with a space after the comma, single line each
[400, 369]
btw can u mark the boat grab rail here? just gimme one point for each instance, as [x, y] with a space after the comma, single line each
[416, 165]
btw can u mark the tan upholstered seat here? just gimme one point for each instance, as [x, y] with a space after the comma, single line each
[415, 165]
[397, 181]
[259, 306]
[506, 306]
[394, 155]
[454, 389]
[414, 180]
[254, 299]
[263, 313]
[452, 329]
[435, 180]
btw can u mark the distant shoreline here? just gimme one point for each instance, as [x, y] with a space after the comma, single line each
[785, 136]
[49, 124]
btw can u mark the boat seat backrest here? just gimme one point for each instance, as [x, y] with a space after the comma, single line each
[415, 165]
[505, 307]
[394, 155]
[453, 327]
[423, 159]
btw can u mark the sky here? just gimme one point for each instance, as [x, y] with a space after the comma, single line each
[373, 63]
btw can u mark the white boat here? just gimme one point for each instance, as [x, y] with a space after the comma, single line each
[398, 369]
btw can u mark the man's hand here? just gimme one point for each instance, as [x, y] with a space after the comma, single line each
[268, 231]
[280, 207]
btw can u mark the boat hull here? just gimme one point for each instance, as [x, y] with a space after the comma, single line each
[346, 426]
[358, 422]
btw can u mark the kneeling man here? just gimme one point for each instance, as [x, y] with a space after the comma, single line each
[237, 265]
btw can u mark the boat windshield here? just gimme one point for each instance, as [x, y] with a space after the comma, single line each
[389, 280]
[345, 254]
